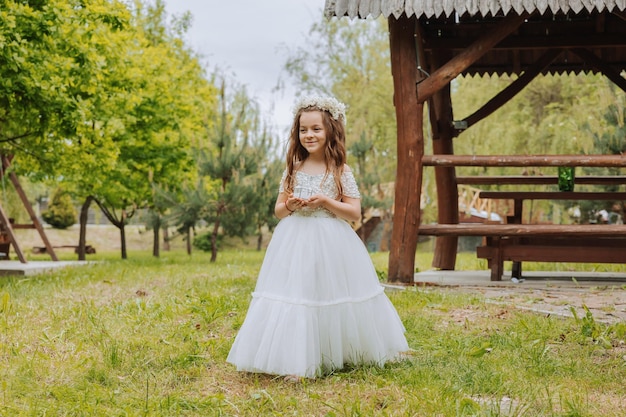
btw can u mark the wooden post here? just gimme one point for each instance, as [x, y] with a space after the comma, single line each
[441, 117]
[29, 209]
[410, 149]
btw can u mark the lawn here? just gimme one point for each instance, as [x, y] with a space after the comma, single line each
[149, 337]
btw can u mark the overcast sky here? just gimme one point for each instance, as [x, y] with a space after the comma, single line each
[250, 41]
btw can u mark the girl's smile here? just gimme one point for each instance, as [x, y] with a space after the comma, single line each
[312, 133]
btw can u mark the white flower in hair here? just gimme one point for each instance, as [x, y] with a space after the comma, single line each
[336, 108]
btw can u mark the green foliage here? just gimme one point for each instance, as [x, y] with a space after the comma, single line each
[266, 189]
[230, 164]
[101, 97]
[52, 63]
[203, 242]
[187, 208]
[594, 331]
[61, 213]
[372, 194]
[567, 114]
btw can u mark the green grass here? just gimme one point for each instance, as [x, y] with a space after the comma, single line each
[149, 337]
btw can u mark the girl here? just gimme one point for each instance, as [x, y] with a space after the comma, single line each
[318, 304]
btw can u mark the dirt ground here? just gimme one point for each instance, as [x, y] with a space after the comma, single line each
[99, 236]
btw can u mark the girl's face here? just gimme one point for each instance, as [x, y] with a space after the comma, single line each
[312, 133]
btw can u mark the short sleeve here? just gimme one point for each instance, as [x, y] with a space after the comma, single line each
[350, 189]
[281, 186]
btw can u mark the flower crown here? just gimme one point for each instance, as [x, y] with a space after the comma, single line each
[336, 108]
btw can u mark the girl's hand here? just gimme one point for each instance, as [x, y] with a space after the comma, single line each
[317, 200]
[294, 203]
[347, 208]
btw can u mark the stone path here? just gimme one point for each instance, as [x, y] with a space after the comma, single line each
[547, 293]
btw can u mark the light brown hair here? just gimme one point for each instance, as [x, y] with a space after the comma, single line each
[334, 152]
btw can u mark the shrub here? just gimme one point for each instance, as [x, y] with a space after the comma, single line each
[61, 213]
[203, 242]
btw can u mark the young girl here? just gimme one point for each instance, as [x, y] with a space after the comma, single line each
[318, 304]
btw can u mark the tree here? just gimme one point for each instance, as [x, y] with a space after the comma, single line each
[156, 94]
[611, 141]
[372, 195]
[52, 60]
[228, 163]
[265, 187]
[188, 207]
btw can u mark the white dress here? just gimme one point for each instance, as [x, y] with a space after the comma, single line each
[318, 303]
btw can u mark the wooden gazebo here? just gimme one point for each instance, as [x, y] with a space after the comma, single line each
[434, 41]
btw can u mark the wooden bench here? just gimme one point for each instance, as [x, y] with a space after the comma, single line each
[539, 243]
[42, 249]
[549, 249]
[590, 249]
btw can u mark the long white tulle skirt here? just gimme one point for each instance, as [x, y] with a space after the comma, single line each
[317, 305]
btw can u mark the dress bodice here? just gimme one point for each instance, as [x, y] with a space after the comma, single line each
[307, 185]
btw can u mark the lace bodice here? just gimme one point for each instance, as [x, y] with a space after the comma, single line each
[307, 185]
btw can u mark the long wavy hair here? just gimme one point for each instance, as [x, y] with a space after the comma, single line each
[334, 152]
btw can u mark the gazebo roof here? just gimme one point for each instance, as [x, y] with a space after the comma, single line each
[572, 36]
[438, 8]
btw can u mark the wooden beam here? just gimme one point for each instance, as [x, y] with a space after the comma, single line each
[538, 180]
[471, 54]
[555, 195]
[532, 42]
[618, 161]
[620, 14]
[512, 89]
[601, 66]
[518, 230]
[29, 209]
[410, 149]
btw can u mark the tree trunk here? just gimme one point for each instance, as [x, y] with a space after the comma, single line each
[259, 240]
[166, 239]
[117, 223]
[216, 228]
[82, 235]
[189, 241]
[122, 227]
[155, 239]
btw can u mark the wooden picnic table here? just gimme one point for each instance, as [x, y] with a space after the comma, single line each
[587, 246]
[519, 197]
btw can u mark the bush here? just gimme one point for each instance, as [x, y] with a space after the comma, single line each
[203, 242]
[61, 213]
